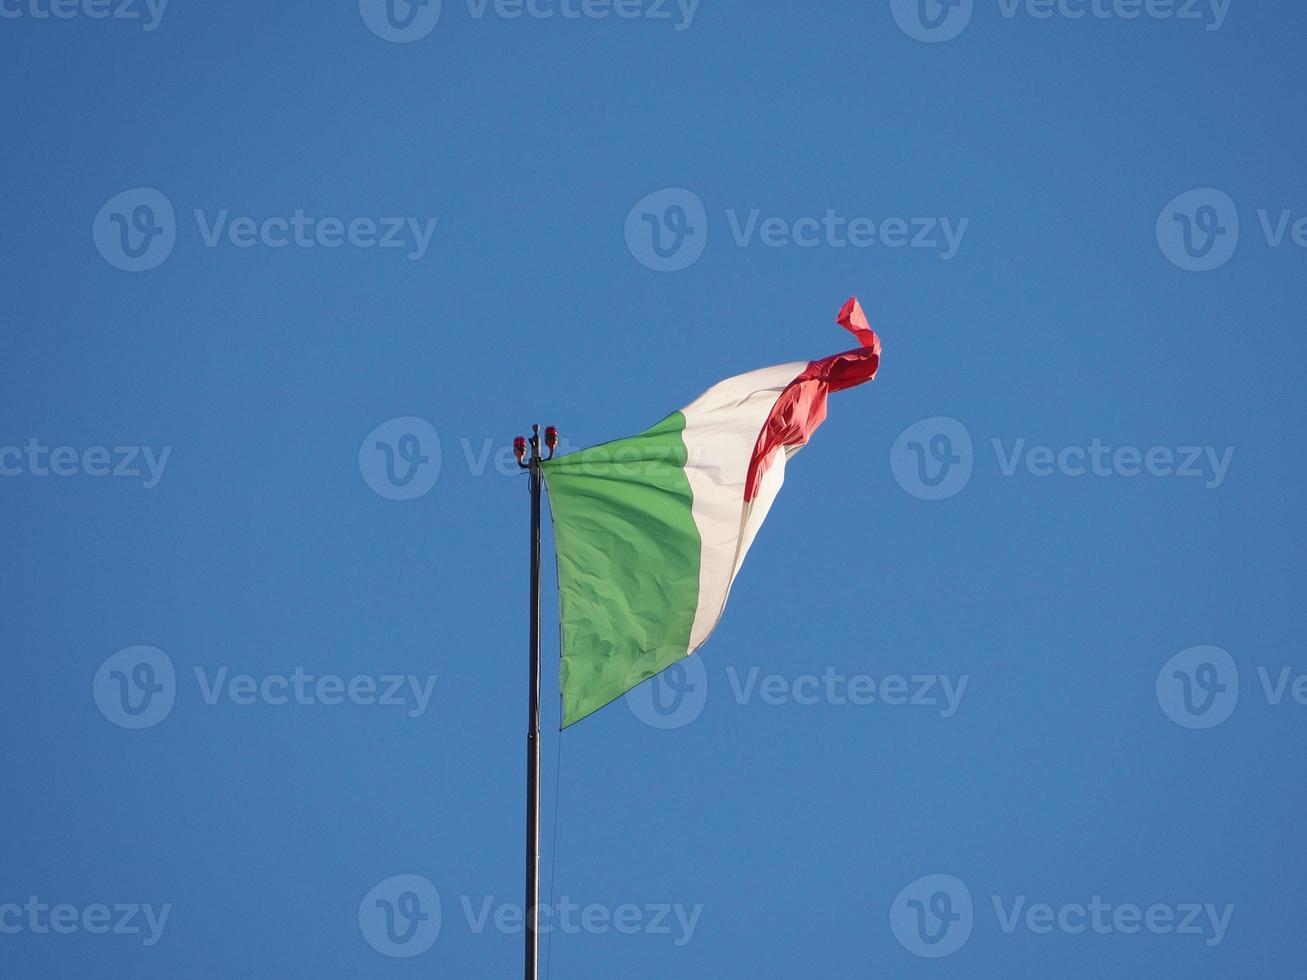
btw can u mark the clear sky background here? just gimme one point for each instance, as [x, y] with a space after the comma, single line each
[1072, 766]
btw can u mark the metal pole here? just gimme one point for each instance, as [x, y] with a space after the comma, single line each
[533, 729]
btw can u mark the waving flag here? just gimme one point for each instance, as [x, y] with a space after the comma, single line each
[651, 531]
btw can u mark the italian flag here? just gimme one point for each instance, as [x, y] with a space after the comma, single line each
[651, 531]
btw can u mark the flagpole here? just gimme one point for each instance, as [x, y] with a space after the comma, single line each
[531, 907]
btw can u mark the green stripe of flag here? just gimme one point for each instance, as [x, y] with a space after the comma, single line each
[628, 563]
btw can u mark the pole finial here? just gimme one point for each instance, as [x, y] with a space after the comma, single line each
[521, 445]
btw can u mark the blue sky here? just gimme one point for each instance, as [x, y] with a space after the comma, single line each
[1012, 672]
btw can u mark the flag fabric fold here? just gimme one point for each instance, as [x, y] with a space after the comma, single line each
[650, 531]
